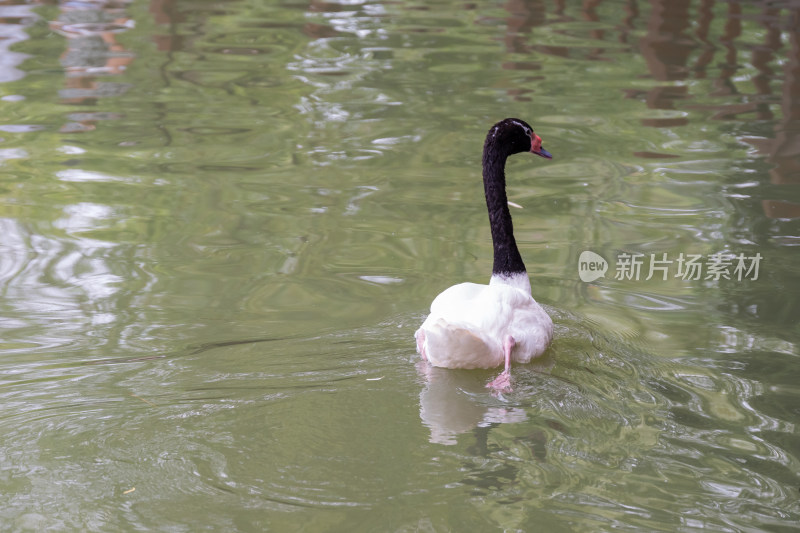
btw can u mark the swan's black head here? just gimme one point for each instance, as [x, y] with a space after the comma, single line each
[513, 136]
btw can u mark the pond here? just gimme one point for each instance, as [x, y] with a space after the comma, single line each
[222, 223]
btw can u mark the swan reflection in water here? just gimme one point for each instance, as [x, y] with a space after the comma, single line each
[454, 402]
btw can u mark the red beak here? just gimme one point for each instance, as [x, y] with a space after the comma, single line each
[536, 147]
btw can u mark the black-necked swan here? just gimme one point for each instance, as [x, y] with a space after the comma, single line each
[484, 326]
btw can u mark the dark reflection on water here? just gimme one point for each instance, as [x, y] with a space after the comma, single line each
[221, 224]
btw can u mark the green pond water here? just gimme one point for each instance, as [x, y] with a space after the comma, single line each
[222, 222]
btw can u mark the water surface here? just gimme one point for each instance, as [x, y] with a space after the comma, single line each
[222, 222]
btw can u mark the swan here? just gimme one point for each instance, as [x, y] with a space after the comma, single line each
[484, 326]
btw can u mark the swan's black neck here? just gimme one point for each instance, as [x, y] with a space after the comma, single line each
[507, 260]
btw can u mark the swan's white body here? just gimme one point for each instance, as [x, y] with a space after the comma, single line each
[469, 324]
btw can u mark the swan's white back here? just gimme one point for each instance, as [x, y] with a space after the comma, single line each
[469, 322]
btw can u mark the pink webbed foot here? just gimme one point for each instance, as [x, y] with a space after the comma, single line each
[502, 383]
[420, 336]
